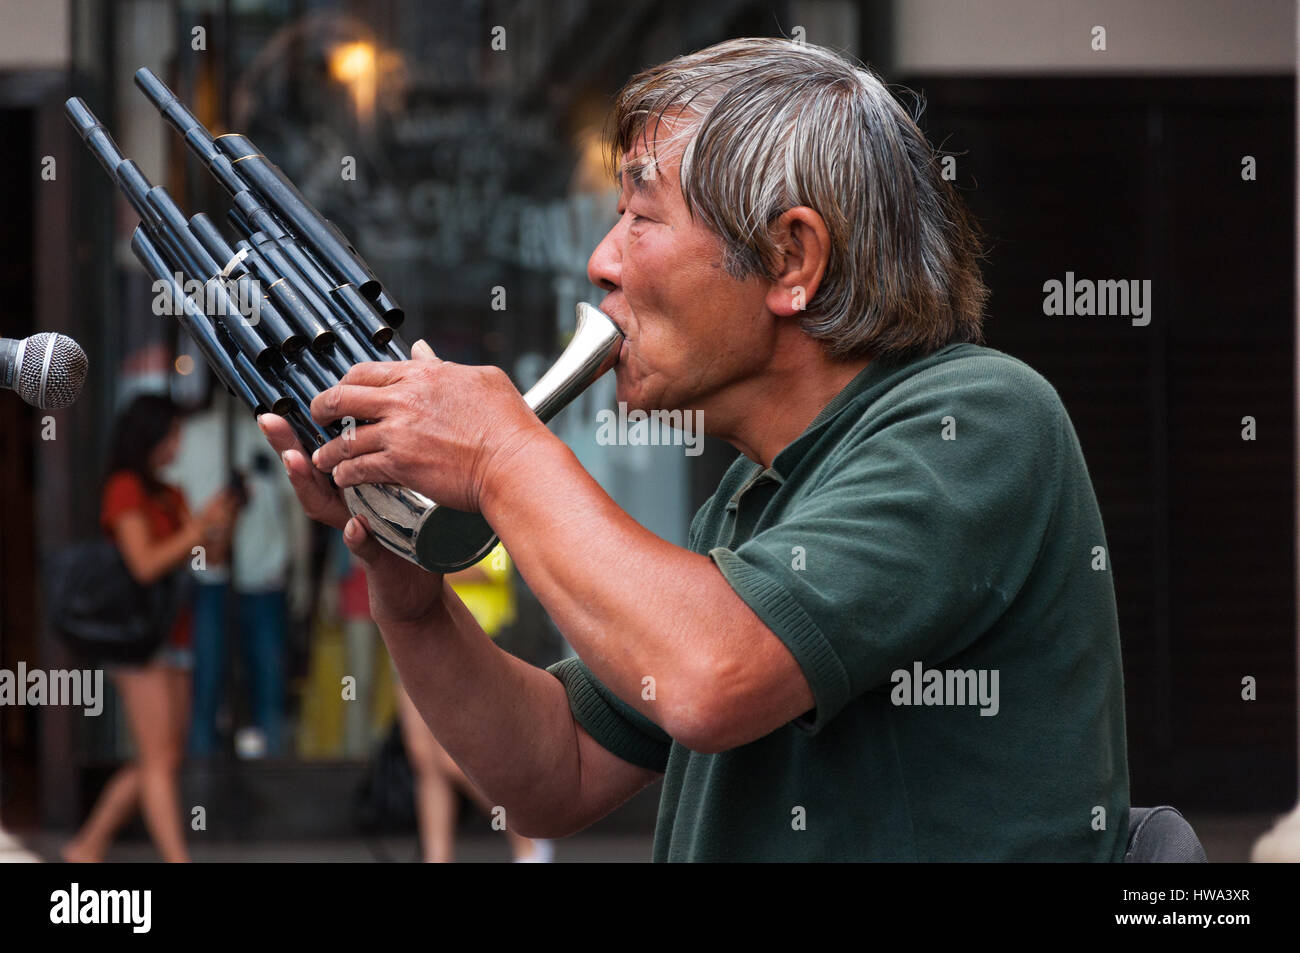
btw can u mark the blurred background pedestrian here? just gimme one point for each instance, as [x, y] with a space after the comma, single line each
[156, 534]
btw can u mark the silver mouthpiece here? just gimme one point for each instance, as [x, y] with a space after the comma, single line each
[445, 540]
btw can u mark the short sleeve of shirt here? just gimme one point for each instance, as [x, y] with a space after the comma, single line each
[615, 725]
[123, 493]
[179, 506]
[924, 523]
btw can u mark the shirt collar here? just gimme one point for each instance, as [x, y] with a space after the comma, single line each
[863, 381]
[789, 456]
[785, 461]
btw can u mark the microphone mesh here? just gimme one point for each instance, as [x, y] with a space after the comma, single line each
[66, 375]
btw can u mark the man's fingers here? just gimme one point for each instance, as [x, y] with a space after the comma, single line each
[319, 498]
[358, 401]
[278, 433]
[356, 535]
[353, 443]
[374, 374]
[365, 469]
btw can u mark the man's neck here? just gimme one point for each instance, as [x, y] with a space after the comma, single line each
[763, 415]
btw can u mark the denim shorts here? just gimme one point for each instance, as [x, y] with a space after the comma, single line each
[175, 656]
[172, 656]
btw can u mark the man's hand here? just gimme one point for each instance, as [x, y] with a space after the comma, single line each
[319, 498]
[441, 429]
[400, 591]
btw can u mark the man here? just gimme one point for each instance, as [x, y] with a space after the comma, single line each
[893, 636]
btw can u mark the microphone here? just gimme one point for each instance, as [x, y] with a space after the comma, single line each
[47, 370]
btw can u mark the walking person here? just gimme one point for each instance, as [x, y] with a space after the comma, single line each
[153, 528]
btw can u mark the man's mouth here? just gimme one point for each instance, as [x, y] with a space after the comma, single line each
[623, 350]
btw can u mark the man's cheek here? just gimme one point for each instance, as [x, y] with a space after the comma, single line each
[640, 284]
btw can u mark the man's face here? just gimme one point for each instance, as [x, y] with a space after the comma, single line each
[691, 330]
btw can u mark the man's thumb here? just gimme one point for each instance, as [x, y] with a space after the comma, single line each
[364, 546]
[421, 351]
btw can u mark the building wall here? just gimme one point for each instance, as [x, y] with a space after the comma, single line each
[1055, 36]
[33, 34]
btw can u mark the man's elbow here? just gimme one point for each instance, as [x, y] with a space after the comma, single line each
[725, 706]
[534, 827]
[551, 823]
[704, 720]
[707, 733]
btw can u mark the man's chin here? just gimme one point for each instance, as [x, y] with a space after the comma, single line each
[625, 391]
[636, 395]
[632, 403]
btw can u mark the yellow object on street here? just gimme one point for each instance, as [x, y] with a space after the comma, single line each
[492, 599]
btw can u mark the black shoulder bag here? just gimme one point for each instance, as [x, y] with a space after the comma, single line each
[102, 612]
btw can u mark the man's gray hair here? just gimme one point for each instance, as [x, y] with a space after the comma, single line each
[768, 125]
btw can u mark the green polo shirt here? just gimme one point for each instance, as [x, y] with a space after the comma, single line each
[931, 553]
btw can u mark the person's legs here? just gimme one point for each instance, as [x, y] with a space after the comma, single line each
[209, 666]
[437, 776]
[150, 695]
[116, 803]
[180, 689]
[435, 799]
[520, 847]
[359, 637]
[264, 617]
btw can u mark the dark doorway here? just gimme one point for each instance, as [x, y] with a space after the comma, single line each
[19, 433]
[1143, 179]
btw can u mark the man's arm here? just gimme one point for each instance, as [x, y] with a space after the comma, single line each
[631, 603]
[507, 724]
[635, 606]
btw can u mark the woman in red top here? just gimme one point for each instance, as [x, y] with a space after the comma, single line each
[156, 534]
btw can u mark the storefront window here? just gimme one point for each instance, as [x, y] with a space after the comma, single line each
[459, 146]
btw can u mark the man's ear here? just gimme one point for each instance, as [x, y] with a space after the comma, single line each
[805, 249]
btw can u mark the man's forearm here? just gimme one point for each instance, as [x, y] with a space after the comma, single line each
[632, 604]
[506, 723]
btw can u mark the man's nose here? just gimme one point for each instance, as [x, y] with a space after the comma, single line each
[604, 267]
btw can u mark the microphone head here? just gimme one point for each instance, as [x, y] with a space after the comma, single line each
[52, 371]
